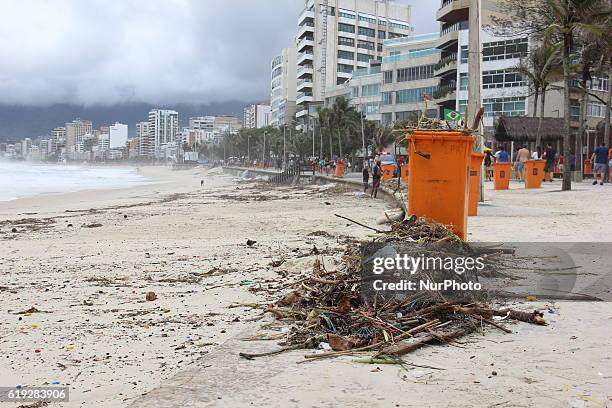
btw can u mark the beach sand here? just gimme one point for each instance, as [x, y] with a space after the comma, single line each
[187, 244]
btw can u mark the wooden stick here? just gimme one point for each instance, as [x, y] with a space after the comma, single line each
[360, 224]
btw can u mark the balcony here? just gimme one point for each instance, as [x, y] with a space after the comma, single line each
[301, 113]
[305, 70]
[305, 58]
[446, 65]
[303, 97]
[306, 29]
[450, 34]
[304, 84]
[306, 16]
[304, 43]
[452, 11]
[446, 92]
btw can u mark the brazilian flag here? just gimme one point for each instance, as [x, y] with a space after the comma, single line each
[452, 115]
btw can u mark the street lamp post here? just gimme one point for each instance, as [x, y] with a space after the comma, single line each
[284, 145]
[248, 149]
[264, 148]
[363, 141]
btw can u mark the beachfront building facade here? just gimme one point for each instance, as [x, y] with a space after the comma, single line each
[408, 78]
[145, 143]
[283, 82]
[163, 130]
[336, 37]
[118, 135]
[75, 131]
[257, 116]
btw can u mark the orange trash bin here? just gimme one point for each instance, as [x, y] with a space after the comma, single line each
[387, 171]
[404, 172]
[502, 175]
[588, 167]
[339, 169]
[475, 169]
[534, 173]
[439, 167]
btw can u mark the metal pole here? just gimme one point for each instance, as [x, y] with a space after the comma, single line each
[248, 149]
[264, 149]
[363, 142]
[284, 145]
[313, 137]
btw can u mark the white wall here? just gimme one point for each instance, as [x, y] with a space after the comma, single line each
[118, 135]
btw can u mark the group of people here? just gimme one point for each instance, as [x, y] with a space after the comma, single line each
[375, 168]
[601, 160]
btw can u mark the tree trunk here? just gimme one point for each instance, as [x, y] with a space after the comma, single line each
[536, 96]
[609, 106]
[581, 127]
[340, 143]
[331, 142]
[567, 174]
[539, 132]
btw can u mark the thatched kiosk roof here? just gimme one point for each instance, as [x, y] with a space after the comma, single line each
[524, 129]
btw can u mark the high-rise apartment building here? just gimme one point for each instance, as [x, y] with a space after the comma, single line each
[408, 78]
[75, 131]
[118, 134]
[145, 142]
[283, 84]
[256, 116]
[163, 129]
[336, 37]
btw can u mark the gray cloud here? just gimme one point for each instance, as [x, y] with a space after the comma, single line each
[91, 52]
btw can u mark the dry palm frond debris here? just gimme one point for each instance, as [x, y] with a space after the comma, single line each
[327, 308]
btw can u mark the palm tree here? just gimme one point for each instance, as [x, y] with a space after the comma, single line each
[570, 17]
[344, 118]
[324, 115]
[539, 66]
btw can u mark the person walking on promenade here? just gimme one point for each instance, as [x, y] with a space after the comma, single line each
[600, 160]
[488, 162]
[376, 176]
[549, 155]
[502, 155]
[521, 157]
[535, 155]
[366, 179]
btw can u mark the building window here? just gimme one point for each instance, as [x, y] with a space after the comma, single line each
[382, 35]
[369, 32]
[499, 50]
[399, 25]
[341, 81]
[388, 77]
[370, 90]
[464, 54]
[367, 19]
[415, 73]
[463, 81]
[346, 55]
[379, 47]
[387, 118]
[395, 35]
[411, 116]
[495, 107]
[370, 108]
[364, 57]
[368, 45]
[413, 95]
[342, 13]
[501, 79]
[354, 92]
[596, 110]
[349, 42]
[347, 28]
[599, 84]
[345, 68]
[387, 98]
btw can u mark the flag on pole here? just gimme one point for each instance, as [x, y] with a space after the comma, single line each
[452, 115]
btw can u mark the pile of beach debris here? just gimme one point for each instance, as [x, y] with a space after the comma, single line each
[327, 310]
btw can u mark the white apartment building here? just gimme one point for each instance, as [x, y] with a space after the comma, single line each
[257, 116]
[283, 84]
[408, 77]
[336, 37]
[214, 128]
[26, 144]
[75, 131]
[118, 134]
[163, 129]
[104, 142]
[145, 142]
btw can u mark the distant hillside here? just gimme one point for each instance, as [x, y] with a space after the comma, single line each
[18, 122]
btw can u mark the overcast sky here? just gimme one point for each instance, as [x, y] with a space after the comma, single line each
[92, 52]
